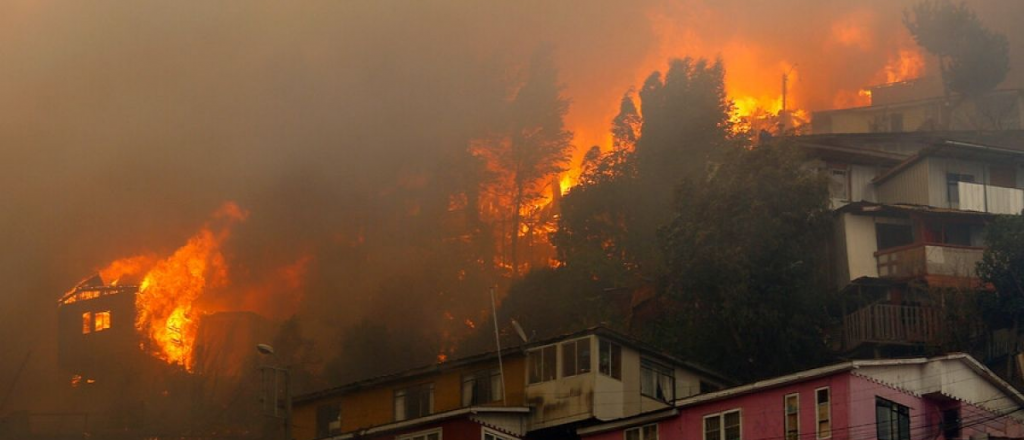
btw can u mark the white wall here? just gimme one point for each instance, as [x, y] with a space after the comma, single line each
[860, 245]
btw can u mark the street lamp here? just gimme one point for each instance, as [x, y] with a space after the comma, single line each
[281, 375]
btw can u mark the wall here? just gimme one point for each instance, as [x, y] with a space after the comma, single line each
[939, 167]
[564, 399]
[374, 406]
[859, 244]
[910, 186]
[861, 187]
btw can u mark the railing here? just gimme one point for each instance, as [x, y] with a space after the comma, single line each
[988, 198]
[921, 259]
[891, 324]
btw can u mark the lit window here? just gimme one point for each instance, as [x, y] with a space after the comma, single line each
[434, 434]
[610, 359]
[823, 399]
[792, 409]
[576, 357]
[102, 320]
[646, 432]
[723, 426]
[413, 402]
[541, 363]
[86, 322]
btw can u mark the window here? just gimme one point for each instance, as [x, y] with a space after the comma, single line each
[86, 323]
[102, 320]
[722, 426]
[575, 357]
[481, 387]
[646, 432]
[414, 402]
[823, 415]
[953, 185]
[791, 408]
[328, 420]
[494, 435]
[610, 359]
[951, 423]
[892, 420]
[542, 364]
[890, 235]
[656, 381]
[433, 434]
[838, 182]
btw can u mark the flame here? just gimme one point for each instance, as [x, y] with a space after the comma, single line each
[907, 64]
[165, 312]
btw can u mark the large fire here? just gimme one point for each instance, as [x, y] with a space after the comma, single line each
[166, 315]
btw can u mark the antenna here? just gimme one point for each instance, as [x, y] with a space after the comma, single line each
[519, 330]
[497, 341]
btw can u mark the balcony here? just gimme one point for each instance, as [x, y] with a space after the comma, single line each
[931, 259]
[891, 324]
[989, 198]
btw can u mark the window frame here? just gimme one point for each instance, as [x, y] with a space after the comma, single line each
[721, 423]
[530, 379]
[658, 369]
[817, 413]
[485, 431]
[785, 417]
[87, 323]
[423, 434]
[614, 366]
[901, 412]
[640, 432]
[324, 430]
[488, 374]
[404, 392]
[101, 321]
[575, 357]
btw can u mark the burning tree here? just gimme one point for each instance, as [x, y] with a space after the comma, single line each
[527, 155]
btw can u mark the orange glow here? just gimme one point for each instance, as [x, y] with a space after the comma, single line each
[469, 323]
[907, 64]
[441, 358]
[166, 316]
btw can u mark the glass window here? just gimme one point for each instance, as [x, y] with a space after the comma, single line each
[823, 417]
[723, 426]
[951, 423]
[493, 435]
[892, 420]
[646, 432]
[481, 387]
[610, 359]
[575, 357]
[953, 185]
[328, 420]
[656, 381]
[542, 364]
[413, 402]
[791, 408]
[839, 183]
[424, 435]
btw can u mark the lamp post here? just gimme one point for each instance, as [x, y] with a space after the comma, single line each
[281, 374]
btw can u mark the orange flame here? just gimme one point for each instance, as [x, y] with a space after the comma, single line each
[907, 64]
[165, 315]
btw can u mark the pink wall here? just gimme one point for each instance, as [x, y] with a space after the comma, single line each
[853, 413]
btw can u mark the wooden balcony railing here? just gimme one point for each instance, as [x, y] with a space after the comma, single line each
[891, 324]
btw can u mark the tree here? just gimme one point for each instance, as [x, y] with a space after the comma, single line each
[742, 257]
[1002, 266]
[973, 60]
[531, 150]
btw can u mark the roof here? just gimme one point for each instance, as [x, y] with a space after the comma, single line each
[806, 375]
[410, 423]
[432, 369]
[960, 149]
[863, 207]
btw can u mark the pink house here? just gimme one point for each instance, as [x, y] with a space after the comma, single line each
[948, 397]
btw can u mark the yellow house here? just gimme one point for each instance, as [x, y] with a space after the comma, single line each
[590, 376]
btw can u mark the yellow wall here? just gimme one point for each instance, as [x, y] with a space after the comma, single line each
[371, 407]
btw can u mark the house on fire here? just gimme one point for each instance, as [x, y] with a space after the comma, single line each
[542, 389]
[940, 398]
[911, 210]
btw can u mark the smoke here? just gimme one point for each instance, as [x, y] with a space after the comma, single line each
[123, 125]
